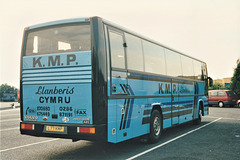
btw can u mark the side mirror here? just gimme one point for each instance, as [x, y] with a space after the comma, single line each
[210, 81]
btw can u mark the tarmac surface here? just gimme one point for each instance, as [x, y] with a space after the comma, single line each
[217, 137]
[9, 105]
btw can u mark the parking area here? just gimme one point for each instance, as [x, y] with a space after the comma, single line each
[217, 137]
[9, 105]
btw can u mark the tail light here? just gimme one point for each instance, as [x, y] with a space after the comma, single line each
[90, 130]
[27, 126]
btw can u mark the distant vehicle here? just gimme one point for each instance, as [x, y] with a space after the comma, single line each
[18, 95]
[238, 103]
[8, 97]
[222, 98]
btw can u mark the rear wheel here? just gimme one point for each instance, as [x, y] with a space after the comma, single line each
[220, 104]
[155, 127]
[238, 104]
[198, 121]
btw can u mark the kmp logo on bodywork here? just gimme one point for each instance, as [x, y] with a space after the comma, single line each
[54, 61]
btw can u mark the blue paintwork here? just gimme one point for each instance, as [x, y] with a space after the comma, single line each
[138, 107]
[61, 89]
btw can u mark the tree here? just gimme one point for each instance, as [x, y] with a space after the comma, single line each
[235, 84]
[5, 88]
[217, 86]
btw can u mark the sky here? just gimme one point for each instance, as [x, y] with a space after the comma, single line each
[208, 30]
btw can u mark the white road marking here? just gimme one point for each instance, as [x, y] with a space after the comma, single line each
[160, 145]
[7, 120]
[9, 129]
[4, 150]
[7, 110]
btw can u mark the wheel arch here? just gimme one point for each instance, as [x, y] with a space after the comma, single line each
[157, 107]
[200, 104]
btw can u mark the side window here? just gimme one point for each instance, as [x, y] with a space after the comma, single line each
[187, 67]
[134, 53]
[154, 58]
[205, 76]
[197, 70]
[173, 61]
[221, 94]
[213, 94]
[204, 70]
[117, 49]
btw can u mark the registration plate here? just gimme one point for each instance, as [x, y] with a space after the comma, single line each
[55, 128]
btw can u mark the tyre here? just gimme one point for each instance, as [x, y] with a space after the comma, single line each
[238, 104]
[156, 127]
[198, 121]
[220, 104]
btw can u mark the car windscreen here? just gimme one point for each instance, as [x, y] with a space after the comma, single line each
[58, 39]
[231, 93]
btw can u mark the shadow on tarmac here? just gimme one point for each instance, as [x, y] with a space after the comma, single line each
[123, 150]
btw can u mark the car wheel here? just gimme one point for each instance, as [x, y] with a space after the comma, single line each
[220, 104]
[238, 104]
[155, 127]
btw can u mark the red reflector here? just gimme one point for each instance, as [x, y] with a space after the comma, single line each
[27, 126]
[86, 130]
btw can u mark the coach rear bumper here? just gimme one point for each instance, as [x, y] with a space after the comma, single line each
[70, 131]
